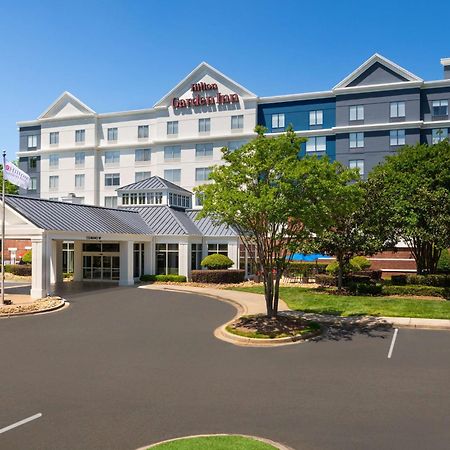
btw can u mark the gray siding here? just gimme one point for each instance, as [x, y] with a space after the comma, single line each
[376, 147]
[447, 72]
[377, 106]
[427, 97]
[377, 74]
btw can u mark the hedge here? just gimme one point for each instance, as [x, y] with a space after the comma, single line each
[22, 270]
[305, 268]
[218, 276]
[176, 278]
[217, 262]
[365, 289]
[421, 280]
[325, 280]
[410, 289]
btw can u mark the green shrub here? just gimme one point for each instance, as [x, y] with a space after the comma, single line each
[359, 263]
[217, 262]
[22, 270]
[429, 280]
[411, 289]
[305, 269]
[26, 258]
[365, 288]
[399, 280]
[353, 278]
[218, 276]
[325, 280]
[164, 278]
[443, 265]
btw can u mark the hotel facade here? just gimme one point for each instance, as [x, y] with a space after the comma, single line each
[112, 194]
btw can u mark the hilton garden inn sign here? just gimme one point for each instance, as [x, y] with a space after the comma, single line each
[210, 98]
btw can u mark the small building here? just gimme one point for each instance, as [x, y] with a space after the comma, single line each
[152, 231]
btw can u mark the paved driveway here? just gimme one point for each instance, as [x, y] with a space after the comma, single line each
[123, 367]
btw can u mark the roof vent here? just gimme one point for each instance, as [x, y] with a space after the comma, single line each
[446, 63]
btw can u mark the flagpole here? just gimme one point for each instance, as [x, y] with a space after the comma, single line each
[3, 228]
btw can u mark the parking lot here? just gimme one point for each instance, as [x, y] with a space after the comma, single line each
[124, 367]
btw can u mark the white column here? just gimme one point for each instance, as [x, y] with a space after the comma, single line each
[233, 253]
[77, 261]
[56, 266]
[39, 274]
[126, 263]
[183, 258]
[148, 258]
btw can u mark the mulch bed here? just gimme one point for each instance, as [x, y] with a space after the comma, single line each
[38, 305]
[282, 326]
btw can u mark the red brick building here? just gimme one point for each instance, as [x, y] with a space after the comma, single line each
[15, 249]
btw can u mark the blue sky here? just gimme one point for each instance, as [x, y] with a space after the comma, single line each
[118, 55]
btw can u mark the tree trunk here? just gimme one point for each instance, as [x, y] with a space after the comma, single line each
[340, 260]
[276, 295]
[268, 291]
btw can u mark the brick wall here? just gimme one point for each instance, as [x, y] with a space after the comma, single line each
[19, 244]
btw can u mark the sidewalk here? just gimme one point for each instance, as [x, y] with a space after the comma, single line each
[248, 303]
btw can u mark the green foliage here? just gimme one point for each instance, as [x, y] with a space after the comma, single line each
[325, 280]
[304, 269]
[27, 258]
[18, 269]
[412, 193]
[356, 264]
[443, 265]
[399, 280]
[411, 289]
[217, 262]
[218, 276]
[422, 280]
[164, 278]
[365, 289]
[274, 199]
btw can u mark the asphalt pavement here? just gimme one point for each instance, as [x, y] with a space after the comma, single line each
[124, 367]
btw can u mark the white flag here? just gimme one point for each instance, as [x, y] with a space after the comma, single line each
[16, 176]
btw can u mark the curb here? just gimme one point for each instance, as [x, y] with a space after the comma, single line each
[277, 445]
[418, 323]
[64, 303]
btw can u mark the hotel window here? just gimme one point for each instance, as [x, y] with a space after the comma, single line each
[277, 121]
[196, 256]
[234, 145]
[204, 151]
[139, 176]
[397, 109]
[198, 199]
[316, 144]
[54, 138]
[173, 175]
[53, 182]
[221, 249]
[237, 122]
[357, 164]
[142, 154]
[79, 181]
[172, 127]
[112, 158]
[202, 173]
[316, 117]
[397, 137]
[142, 131]
[204, 125]
[111, 202]
[172, 153]
[179, 200]
[32, 141]
[33, 185]
[356, 140]
[440, 107]
[112, 134]
[32, 162]
[79, 159]
[53, 161]
[357, 112]
[167, 259]
[439, 134]
[112, 179]
[154, 198]
[80, 136]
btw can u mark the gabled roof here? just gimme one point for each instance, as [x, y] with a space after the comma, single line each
[207, 227]
[163, 220]
[60, 216]
[66, 105]
[196, 75]
[152, 183]
[399, 72]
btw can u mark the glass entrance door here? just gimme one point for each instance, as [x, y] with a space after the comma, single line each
[103, 264]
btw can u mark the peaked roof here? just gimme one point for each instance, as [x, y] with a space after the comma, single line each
[60, 216]
[154, 182]
[207, 226]
[401, 72]
[65, 98]
[201, 70]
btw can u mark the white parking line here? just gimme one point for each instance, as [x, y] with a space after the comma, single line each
[391, 348]
[21, 422]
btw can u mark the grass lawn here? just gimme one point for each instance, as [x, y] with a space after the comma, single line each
[311, 300]
[216, 443]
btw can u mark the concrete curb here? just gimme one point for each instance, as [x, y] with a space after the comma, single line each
[64, 303]
[423, 324]
[277, 445]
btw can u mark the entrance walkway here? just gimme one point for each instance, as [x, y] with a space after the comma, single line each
[70, 288]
